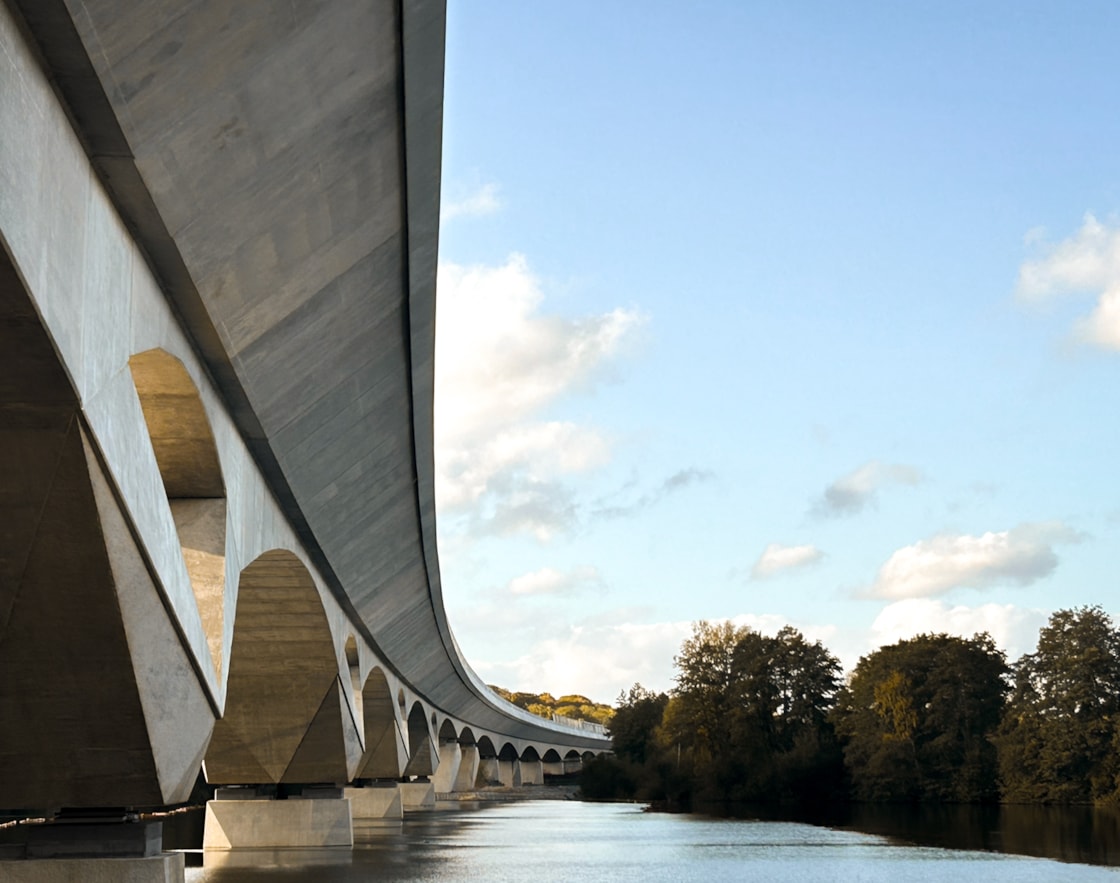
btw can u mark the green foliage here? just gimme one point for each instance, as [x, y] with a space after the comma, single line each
[1060, 734]
[635, 722]
[750, 714]
[917, 716]
[760, 718]
[546, 705]
[606, 778]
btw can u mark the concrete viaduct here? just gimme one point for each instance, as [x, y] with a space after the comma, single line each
[218, 237]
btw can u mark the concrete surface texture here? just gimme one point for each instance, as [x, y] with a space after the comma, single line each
[166, 868]
[264, 824]
[218, 231]
[379, 803]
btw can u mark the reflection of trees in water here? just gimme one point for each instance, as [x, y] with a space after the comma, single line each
[1068, 833]
[1082, 834]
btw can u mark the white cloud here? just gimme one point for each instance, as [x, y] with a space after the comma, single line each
[1086, 263]
[597, 661]
[1014, 629]
[483, 201]
[499, 362]
[776, 558]
[601, 657]
[549, 581]
[853, 492]
[934, 566]
[542, 450]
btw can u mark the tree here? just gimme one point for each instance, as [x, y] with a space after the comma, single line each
[704, 707]
[546, 705]
[917, 716]
[801, 680]
[1057, 741]
[635, 721]
[751, 711]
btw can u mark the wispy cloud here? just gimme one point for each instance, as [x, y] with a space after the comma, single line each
[621, 507]
[777, 558]
[1086, 263]
[500, 362]
[483, 201]
[551, 582]
[934, 566]
[857, 490]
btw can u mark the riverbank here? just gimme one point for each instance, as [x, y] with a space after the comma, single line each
[521, 792]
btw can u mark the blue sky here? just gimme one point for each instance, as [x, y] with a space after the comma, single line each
[802, 313]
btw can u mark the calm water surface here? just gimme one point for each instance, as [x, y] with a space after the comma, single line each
[567, 840]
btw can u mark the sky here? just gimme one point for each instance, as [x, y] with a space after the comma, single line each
[801, 313]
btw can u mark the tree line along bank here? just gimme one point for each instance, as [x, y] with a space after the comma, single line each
[935, 718]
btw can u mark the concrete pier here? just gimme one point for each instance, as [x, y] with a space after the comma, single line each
[532, 772]
[488, 772]
[166, 868]
[467, 774]
[450, 758]
[266, 823]
[418, 795]
[376, 805]
[509, 773]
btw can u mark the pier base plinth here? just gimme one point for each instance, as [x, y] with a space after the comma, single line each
[418, 795]
[377, 805]
[165, 868]
[234, 822]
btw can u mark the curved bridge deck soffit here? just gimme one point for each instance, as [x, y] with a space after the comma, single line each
[235, 344]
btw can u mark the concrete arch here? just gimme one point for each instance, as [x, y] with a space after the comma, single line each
[509, 766]
[466, 737]
[488, 772]
[88, 656]
[423, 756]
[354, 667]
[187, 456]
[386, 753]
[572, 762]
[285, 717]
[530, 767]
[552, 765]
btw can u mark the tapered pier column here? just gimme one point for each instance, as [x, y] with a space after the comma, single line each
[468, 769]
[532, 772]
[509, 773]
[488, 772]
[450, 757]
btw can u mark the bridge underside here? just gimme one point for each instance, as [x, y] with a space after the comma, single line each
[218, 231]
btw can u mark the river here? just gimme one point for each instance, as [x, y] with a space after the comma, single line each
[570, 840]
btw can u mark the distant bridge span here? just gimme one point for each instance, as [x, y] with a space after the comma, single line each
[219, 225]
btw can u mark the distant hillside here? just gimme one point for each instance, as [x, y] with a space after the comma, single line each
[546, 705]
